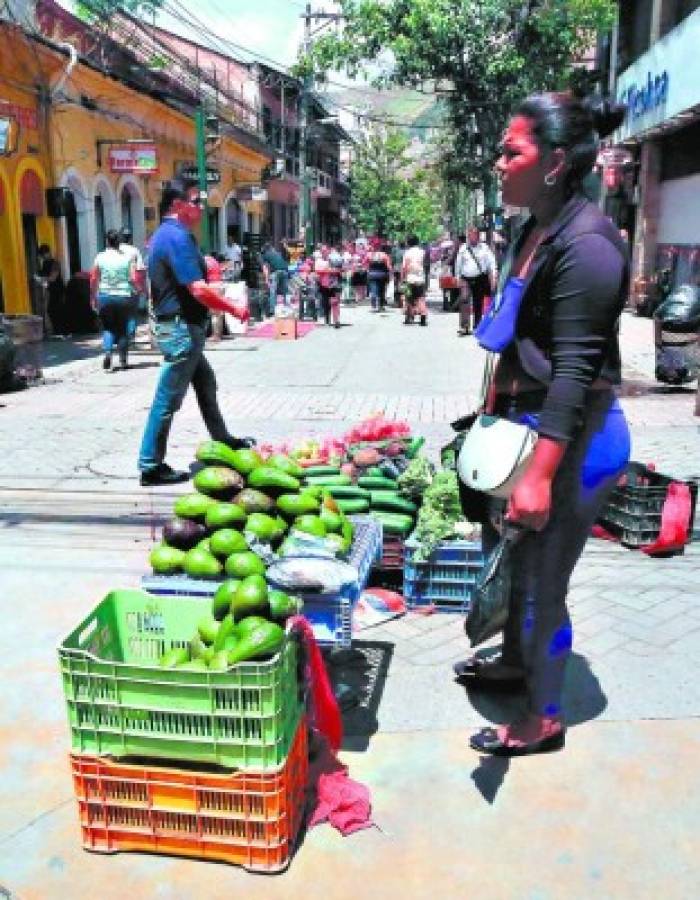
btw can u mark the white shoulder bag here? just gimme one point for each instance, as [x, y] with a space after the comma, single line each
[496, 451]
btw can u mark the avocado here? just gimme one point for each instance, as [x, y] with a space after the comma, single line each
[216, 453]
[221, 601]
[311, 525]
[166, 560]
[264, 640]
[195, 665]
[218, 482]
[226, 541]
[262, 526]
[250, 623]
[333, 521]
[269, 478]
[285, 464]
[282, 605]
[193, 506]
[204, 545]
[293, 505]
[219, 661]
[254, 501]
[240, 565]
[200, 564]
[226, 629]
[246, 459]
[207, 629]
[183, 533]
[250, 598]
[224, 515]
[174, 657]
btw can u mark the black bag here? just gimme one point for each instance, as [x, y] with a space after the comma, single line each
[490, 601]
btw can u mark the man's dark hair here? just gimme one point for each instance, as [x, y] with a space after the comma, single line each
[413, 241]
[462, 239]
[177, 189]
[44, 248]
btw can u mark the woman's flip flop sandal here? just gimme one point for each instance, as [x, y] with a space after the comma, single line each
[488, 741]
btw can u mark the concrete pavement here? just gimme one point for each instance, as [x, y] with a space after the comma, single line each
[614, 816]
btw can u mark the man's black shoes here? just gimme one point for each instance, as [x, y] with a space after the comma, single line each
[163, 474]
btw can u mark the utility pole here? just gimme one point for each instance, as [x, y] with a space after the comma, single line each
[305, 210]
[200, 131]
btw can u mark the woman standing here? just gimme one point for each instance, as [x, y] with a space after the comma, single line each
[112, 283]
[328, 271]
[378, 273]
[413, 275]
[561, 295]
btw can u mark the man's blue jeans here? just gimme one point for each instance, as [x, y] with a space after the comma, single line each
[184, 363]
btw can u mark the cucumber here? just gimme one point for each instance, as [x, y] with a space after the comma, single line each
[394, 523]
[377, 483]
[347, 492]
[392, 502]
[313, 471]
[356, 505]
[328, 480]
[374, 472]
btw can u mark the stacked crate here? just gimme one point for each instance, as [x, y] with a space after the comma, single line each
[194, 763]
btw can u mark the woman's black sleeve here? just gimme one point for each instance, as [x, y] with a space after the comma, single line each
[585, 306]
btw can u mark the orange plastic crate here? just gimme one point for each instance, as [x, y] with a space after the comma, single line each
[245, 818]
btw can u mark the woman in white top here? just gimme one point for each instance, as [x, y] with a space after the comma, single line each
[413, 274]
[112, 283]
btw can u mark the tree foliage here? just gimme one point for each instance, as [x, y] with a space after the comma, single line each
[484, 56]
[390, 196]
[97, 11]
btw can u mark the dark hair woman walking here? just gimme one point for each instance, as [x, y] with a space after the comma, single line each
[563, 282]
[112, 284]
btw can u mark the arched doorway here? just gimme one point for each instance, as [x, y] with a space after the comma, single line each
[104, 212]
[131, 208]
[31, 202]
[77, 245]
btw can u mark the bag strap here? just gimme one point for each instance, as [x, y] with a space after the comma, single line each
[487, 378]
[476, 261]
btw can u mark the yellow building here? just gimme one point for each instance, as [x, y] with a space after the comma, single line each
[102, 149]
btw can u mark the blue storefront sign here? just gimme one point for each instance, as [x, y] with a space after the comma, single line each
[647, 97]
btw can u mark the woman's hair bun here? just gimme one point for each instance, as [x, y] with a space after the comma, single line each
[607, 114]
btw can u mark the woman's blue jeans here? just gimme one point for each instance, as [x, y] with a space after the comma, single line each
[114, 312]
[538, 634]
[184, 363]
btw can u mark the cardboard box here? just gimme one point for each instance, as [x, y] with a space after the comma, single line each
[285, 329]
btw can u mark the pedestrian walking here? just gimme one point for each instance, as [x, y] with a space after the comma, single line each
[234, 257]
[358, 278]
[476, 266]
[181, 299]
[555, 326]
[451, 295]
[53, 292]
[413, 275]
[328, 269]
[126, 246]
[397, 252]
[378, 273]
[112, 286]
[276, 273]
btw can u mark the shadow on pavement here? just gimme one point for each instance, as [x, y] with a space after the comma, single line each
[358, 676]
[642, 388]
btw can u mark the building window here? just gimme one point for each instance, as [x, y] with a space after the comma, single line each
[635, 31]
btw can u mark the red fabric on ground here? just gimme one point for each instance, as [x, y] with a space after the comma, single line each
[339, 800]
[267, 330]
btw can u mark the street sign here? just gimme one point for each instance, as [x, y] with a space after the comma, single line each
[140, 159]
[191, 173]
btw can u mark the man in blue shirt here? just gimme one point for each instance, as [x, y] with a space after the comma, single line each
[181, 299]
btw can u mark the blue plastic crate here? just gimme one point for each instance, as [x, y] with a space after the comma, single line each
[446, 579]
[330, 614]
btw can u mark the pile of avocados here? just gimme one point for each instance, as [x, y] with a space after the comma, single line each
[241, 499]
[246, 623]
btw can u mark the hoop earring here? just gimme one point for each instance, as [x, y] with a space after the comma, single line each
[550, 179]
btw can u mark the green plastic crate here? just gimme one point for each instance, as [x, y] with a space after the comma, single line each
[121, 703]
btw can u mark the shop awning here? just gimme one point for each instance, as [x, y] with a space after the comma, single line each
[31, 194]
